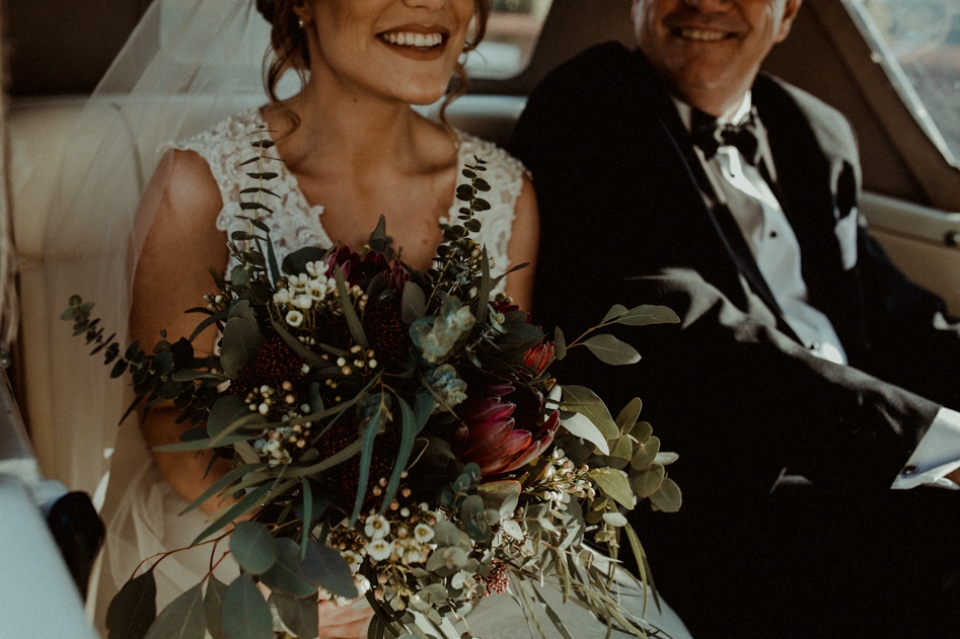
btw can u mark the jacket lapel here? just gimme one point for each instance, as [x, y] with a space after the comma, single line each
[734, 246]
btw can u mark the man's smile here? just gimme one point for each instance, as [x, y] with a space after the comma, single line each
[701, 35]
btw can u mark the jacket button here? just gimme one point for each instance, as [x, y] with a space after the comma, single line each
[909, 470]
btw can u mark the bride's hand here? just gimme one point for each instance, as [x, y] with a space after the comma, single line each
[343, 622]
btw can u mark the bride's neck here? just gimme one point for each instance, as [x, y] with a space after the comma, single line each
[357, 132]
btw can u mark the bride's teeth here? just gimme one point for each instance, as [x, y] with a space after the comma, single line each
[414, 39]
[705, 36]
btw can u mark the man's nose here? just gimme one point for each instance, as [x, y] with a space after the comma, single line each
[709, 5]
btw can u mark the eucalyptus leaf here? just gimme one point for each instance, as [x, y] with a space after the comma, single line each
[585, 401]
[232, 475]
[483, 294]
[627, 418]
[285, 575]
[648, 314]
[615, 519]
[224, 412]
[559, 343]
[181, 619]
[246, 614]
[646, 453]
[299, 614]
[296, 262]
[213, 607]
[615, 311]
[580, 426]
[622, 448]
[615, 485]
[350, 313]
[502, 496]
[366, 458]
[243, 310]
[241, 343]
[253, 547]
[413, 304]
[250, 501]
[133, 609]
[668, 498]
[423, 406]
[610, 350]
[649, 482]
[327, 568]
[666, 458]
[408, 432]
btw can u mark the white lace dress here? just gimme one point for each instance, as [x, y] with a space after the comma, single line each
[147, 520]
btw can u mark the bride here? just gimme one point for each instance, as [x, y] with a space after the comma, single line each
[351, 149]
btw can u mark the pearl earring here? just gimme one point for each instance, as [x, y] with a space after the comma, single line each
[300, 22]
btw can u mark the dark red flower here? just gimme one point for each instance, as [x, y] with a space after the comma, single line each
[344, 478]
[275, 364]
[388, 334]
[357, 270]
[538, 357]
[502, 429]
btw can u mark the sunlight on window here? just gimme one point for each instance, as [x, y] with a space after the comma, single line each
[512, 34]
[923, 38]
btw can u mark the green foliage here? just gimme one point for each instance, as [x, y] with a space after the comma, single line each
[253, 547]
[338, 434]
[133, 609]
[182, 619]
[245, 613]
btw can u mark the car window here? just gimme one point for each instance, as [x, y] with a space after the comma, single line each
[918, 43]
[512, 33]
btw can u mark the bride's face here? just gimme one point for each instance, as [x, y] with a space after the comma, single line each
[403, 50]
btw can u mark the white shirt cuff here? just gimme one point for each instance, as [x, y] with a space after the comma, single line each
[937, 454]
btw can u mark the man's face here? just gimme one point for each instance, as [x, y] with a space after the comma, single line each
[706, 47]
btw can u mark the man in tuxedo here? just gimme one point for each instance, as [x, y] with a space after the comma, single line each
[800, 394]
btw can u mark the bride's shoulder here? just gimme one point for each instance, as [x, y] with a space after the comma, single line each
[502, 167]
[226, 137]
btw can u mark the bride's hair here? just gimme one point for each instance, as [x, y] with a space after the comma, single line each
[289, 42]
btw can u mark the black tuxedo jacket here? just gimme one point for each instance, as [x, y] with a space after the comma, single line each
[624, 220]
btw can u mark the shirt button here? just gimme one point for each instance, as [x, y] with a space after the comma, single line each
[909, 470]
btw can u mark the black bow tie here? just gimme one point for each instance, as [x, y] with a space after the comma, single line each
[710, 136]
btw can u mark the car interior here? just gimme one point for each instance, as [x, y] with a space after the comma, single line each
[911, 179]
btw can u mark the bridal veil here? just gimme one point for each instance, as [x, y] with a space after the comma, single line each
[188, 64]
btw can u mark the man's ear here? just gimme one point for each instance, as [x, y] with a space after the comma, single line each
[790, 10]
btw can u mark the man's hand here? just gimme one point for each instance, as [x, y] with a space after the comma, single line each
[954, 476]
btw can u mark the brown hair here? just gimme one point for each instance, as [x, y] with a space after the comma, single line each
[289, 45]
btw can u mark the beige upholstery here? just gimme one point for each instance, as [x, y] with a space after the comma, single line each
[39, 129]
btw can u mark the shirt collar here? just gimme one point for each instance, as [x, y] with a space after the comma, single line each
[738, 116]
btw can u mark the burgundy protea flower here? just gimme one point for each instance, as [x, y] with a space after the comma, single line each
[538, 357]
[501, 429]
[357, 269]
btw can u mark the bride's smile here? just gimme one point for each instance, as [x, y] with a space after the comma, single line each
[403, 50]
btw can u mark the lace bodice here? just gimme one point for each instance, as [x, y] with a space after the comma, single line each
[295, 224]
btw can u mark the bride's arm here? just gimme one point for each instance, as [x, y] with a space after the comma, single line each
[171, 277]
[524, 240]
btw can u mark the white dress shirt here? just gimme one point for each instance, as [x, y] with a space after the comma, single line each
[774, 246]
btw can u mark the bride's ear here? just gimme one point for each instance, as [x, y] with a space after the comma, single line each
[301, 9]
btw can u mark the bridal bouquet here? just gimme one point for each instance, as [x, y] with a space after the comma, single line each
[395, 435]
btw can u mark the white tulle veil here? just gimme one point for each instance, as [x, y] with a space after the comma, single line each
[188, 64]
